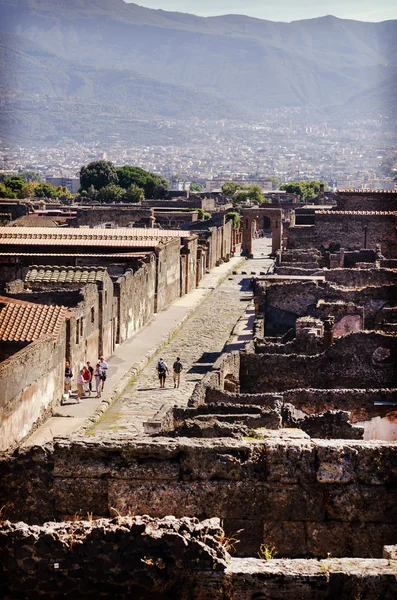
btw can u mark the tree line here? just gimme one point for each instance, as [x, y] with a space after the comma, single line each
[30, 184]
[104, 182]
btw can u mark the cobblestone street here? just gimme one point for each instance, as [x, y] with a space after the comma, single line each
[199, 343]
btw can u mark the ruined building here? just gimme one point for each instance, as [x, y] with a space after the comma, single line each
[277, 480]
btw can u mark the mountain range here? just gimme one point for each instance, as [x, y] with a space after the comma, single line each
[73, 67]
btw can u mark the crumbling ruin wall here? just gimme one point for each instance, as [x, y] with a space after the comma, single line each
[119, 216]
[305, 497]
[136, 556]
[370, 200]
[347, 229]
[168, 274]
[360, 403]
[357, 360]
[31, 383]
[134, 293]
[171, 559]
[283, 303]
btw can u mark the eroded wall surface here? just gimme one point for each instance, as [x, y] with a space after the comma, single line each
[307, 497]
[31, 383]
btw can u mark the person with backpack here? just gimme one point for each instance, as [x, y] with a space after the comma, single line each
[177, 368]
[162, 370]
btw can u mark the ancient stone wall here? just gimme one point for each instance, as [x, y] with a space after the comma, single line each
[135, 556]
[357, 360]
[360, 403]
[355, 200]
[189, 264]
[283, 303]
[305, 497]
[207, 204]
[171, 559]
[134, 293]
[31, 384]
[347, 229]
[168, 274]
[83, 331]
[118, 216]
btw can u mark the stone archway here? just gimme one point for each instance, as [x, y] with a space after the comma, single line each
[254, 217]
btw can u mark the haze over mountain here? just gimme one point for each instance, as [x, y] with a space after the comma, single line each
[65, 62]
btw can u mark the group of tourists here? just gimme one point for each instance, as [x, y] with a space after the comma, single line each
[88, 374]
[162, 371]
[85, 378]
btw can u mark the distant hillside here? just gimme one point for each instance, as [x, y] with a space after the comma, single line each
[158, 63]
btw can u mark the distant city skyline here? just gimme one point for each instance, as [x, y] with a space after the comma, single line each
[283, 10]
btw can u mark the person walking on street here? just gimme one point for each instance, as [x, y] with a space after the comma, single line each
[104, 366]
[87, 379]
[80, 386]
[162, 370]
[68, 378]
[98, 379]
[91, 370]
[177, 368]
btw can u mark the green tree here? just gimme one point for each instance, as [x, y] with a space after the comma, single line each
[303, 189]
[46, 190]
[15, 184]
[99, 173]
[236, 218]
[253, 192]
[195, 186]
[111, 193]
[31, 176]
[5, 192]
[154, 186]
[134, 193]
[230, 188]
[128, 175]
[28, 189]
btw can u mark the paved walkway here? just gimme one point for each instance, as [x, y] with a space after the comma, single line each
[199, 343]
[132, 356]
[197, 339]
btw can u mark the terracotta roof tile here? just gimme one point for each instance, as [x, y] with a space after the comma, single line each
[64, 275]
[26, 322]
[356, 191]
[72, 236]
[355, 212]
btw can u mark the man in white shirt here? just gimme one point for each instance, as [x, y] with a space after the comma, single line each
[104, 366]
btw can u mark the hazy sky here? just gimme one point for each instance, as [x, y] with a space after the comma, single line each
[283, 10]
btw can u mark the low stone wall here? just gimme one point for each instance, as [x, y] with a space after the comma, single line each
[305, 497]
[227, 365]
[136, 557]
[358, 360]
[170, 559]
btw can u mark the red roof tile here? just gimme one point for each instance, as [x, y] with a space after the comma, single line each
[72, 236]
[25, 322]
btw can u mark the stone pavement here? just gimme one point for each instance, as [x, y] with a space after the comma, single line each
[199, 343]
[131, 357]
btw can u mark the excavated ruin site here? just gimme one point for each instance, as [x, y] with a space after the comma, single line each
[277, 479]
